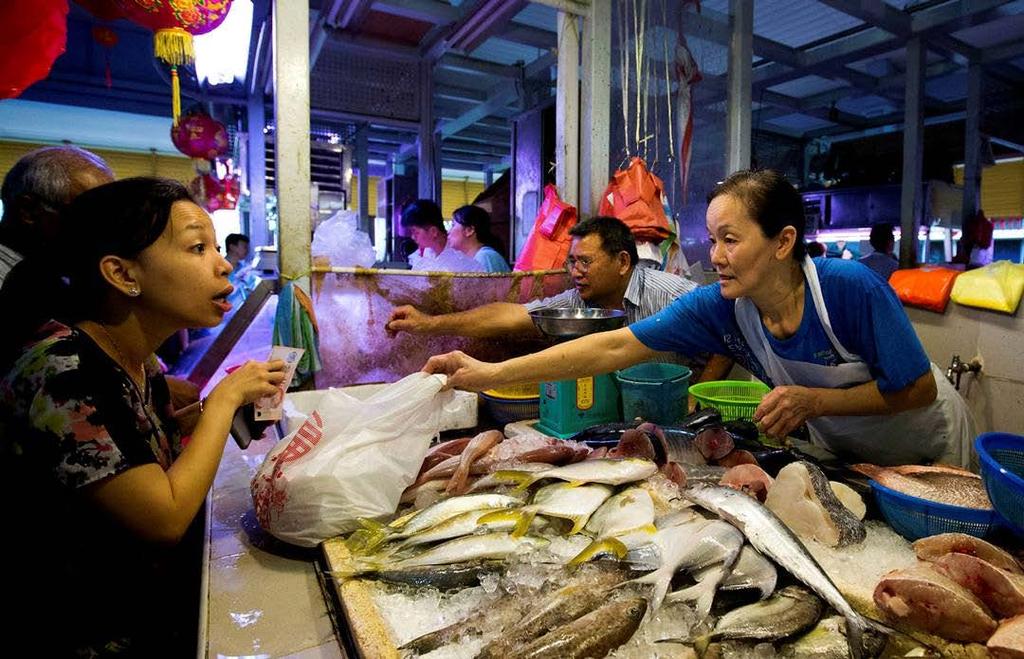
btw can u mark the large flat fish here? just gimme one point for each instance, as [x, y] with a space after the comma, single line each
[923, 599]
[770, 536]
[935, 547]
[562, 500]
[948, 485]
[803, 498]
[592, 635]
[1001, 591]
[1008, 641]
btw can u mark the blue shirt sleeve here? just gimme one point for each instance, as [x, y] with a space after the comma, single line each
[869, 320]
[690, 325]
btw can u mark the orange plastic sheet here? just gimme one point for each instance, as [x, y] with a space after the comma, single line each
[548, 244]
[634, 195]
[927, 287]
[353, 305]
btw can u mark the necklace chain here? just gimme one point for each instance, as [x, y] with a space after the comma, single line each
[124, 360]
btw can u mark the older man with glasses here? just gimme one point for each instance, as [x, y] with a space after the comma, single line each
[603, 265]
[34, 193]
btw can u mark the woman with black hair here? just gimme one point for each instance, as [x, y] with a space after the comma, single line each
[471, 235]
[829, 335]
[105, 489]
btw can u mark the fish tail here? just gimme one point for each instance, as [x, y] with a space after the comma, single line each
[700, 645]
[356, 568]
[369, 537]
[855, 636]
[498, 516]
[702, 592]
[400, 522]
[606, 546]
[521, 479]
[523, 525]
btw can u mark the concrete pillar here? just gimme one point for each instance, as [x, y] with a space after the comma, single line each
[256, 171]
[291, 108]
[972, 142]
[567, 110]
[366, 214]
[596, 108]
[913, 152]
[741, 49]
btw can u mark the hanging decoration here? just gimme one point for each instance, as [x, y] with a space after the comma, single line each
[107, 38]
[214, 192]
[174, 22]
[34, 35]
[200, 137]
[687, 75]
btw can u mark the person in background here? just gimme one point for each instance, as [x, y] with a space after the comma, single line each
[831, 339]
[882, 259]
[236, 249]
[603, 265]
[815, 249]
[426, 226]
[35, 191]
[92, 452]
[471, 235]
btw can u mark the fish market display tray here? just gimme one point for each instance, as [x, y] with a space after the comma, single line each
[365, 625]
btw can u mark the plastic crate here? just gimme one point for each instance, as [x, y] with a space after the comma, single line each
[1002, 469]
[735, 399]
[915, 518]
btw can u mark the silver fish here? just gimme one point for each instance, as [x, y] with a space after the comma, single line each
[623, 522]
[446, 577]
[460, 550]
[562, 500]
[771, 537]
[689, 547]
[751, 571]
[608, 472]
[466, 524]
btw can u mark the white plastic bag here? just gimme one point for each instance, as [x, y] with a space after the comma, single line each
[339, 239]
[351, 458]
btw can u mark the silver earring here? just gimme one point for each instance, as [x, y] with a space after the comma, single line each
[133, 291]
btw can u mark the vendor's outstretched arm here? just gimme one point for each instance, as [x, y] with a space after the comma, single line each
[786, 408]
[496, 319]
[597, 353]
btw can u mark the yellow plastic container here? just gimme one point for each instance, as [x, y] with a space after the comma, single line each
[997, 286]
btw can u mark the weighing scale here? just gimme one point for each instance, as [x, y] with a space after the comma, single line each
[569, 406]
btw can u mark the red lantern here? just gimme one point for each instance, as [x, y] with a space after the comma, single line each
[200, 136]
[214, 193]
[174, 22]
[33, 35]
[107, 38]
[105, 10]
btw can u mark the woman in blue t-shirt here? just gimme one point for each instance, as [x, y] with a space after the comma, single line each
[828, 335]
[471, 235]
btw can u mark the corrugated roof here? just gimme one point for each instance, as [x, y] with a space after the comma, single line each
[794, 23]
[539, 16]
[501, 51]
[807, 86]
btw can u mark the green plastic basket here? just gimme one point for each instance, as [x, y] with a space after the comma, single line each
[735, 399]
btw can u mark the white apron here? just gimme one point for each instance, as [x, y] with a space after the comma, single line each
[940, 432]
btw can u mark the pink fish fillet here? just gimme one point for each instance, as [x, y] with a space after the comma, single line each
[935, 547]
[1008, 641]
[714, 443]
[921, 598]
[443, 451]
[748, 478]
[477, 447]
[1001, 591]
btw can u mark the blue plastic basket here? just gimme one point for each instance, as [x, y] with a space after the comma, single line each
[1002, 469]
[915, 518]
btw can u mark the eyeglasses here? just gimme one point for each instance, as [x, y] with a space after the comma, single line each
[582, 263]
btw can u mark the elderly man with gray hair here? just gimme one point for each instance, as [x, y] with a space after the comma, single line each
[35, 191]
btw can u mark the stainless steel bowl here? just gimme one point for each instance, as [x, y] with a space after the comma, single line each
[574, 323]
